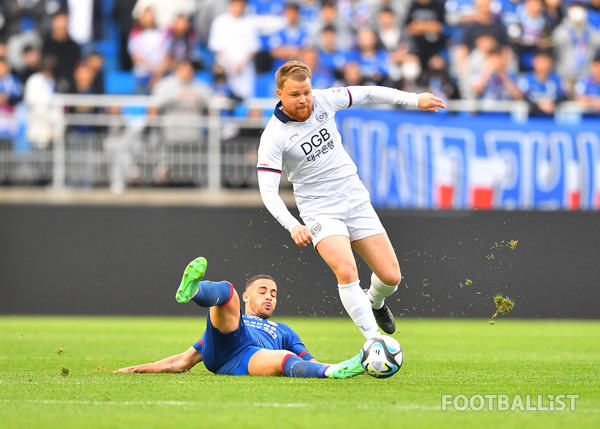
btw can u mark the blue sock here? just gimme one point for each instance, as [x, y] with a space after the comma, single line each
[213, 293]
[293, 366]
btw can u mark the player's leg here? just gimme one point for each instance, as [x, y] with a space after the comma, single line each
[281, 362]
[221, 297]
[337, 253]
[378, 253]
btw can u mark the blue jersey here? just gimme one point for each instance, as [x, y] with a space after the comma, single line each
[536, 90]
[229, 353]
[588, 86]
[274, 336]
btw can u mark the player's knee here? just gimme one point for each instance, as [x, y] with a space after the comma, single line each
[391, 277]
[346, 273]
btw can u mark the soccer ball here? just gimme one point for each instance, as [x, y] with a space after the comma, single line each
[381, 357]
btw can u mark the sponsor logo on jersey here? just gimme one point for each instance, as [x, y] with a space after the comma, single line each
[316, 228]
[321, 116]
[316, 140]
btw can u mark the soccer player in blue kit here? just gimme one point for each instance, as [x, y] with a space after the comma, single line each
[248, 344]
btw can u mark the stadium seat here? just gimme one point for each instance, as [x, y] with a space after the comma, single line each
[264, 86]
[204, 76]
[119, 82]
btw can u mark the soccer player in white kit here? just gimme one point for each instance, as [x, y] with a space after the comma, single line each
[302, 138]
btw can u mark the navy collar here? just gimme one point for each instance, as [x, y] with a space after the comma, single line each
[282, 116]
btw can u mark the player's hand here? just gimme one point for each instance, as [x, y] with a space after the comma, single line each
[129, 369]
[430, 103]
[301, 235]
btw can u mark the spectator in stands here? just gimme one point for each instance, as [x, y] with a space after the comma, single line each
[310, 11]
[459, 13]
[22, 24]
[388, 29]
[180, 94]
[425, 23]
[234, 40]
[436, 79]
[587, 90]
[85, 23]
[266, 7]
[83, 84]
[542, 87]
[373, 60]
[355, 13]
[182, 41]
[32, 57]
[148, 50]
[330, 19]
[395, 40]
[490, 79]
[532, 32]
[553, 9]
[594, 14]
[411, 80]
[165, 11]
[122, 15]
[11, 90]
[322, 77]
[287, 43]
[96, 62]
[220, 87]
[575, 43]
[330, 56]
[207, 11]
[39, 91]
[484, 23]
[352, 75]
[178, 97]
[23, 16]
[59, 45]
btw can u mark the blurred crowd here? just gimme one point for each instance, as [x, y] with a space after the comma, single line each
[185, 51]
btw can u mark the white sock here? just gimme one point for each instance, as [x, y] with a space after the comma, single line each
[358, 307]
[379, 291]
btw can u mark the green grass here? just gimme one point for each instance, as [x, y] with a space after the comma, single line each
[441, 357]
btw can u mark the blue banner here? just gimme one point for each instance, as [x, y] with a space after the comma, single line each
[432, 160]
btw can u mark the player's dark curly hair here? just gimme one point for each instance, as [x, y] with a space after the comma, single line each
[256, 277]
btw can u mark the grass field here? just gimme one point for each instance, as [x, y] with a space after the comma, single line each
[57, 372]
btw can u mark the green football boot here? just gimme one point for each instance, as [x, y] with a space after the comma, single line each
[346, 369]
[192, 276]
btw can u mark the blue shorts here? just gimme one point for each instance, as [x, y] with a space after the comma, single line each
[227, 353]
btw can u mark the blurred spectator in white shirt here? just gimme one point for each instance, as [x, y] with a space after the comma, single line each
[234, 40]
[575, 44]
[165, 10]
[148, 50]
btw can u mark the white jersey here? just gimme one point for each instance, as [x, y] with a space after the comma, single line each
[311, 151]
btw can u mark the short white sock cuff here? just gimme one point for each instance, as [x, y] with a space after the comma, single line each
[378, 284]
[348, 285]
[379, 291]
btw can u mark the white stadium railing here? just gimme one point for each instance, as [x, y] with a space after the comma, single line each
[103, 140]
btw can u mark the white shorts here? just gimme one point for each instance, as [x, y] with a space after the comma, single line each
[349, 214]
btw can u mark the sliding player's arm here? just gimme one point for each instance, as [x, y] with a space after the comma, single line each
[177, 363]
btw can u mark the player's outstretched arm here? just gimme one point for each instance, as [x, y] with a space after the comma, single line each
[176, 363]
[430, 103]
